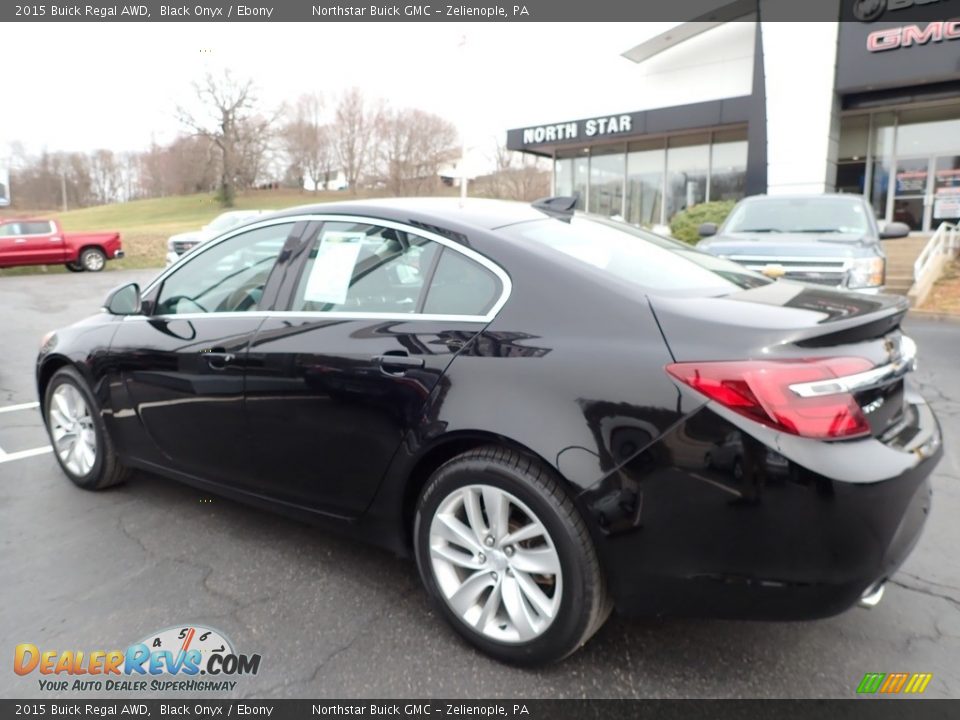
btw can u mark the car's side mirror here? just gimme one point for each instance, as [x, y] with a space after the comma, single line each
[707, 229]
[123, 300]
[894, 230]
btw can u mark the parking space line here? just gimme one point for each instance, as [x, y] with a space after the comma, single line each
[21, 406]
[21, 454]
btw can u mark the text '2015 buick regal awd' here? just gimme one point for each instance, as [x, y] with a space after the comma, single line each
[555, 415]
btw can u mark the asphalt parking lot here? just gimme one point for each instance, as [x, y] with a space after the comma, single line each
[331, 618]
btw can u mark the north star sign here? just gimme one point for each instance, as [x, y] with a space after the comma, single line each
[594, 127]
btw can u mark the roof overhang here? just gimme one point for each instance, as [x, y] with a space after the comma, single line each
[727, 12]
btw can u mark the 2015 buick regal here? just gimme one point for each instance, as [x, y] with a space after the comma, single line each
[553, 414]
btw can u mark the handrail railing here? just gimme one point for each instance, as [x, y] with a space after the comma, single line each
[945, 241]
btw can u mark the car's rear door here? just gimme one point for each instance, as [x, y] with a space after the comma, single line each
[181, 365]
[335, 383]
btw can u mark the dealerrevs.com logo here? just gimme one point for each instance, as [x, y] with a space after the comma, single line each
[185, 658]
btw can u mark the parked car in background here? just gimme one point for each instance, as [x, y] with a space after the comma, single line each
[554, 415]
[829, 240]
[178, 244]
[38, 241]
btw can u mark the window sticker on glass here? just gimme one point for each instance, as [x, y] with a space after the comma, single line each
[332, 270]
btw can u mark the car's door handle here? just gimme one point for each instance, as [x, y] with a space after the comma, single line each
[218, 358]
[20, 240]
[397, 364]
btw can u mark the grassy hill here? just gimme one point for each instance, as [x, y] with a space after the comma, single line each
[145, 225]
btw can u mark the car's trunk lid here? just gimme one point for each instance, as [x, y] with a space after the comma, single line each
[790, 321]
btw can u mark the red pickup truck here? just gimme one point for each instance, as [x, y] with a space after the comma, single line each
[43, 242]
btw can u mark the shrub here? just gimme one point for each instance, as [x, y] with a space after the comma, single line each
[684, 225]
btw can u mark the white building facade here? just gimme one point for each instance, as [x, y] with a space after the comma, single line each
[721, 110]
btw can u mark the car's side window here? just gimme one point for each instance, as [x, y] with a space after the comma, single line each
[228, 277]
[461, 286]
[36, 228]
[9, 229]
[358, 267]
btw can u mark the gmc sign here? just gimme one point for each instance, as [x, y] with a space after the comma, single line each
[898, 37]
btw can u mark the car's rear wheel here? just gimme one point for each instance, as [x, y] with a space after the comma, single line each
[93, 259]
[80, 440]
[74, 267]
[507, 557]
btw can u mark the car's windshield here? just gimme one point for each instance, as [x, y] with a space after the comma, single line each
[799, 215]
[640, 257]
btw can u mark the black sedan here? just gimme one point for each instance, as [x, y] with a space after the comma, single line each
[554, 414]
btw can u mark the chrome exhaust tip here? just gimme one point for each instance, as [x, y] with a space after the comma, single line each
[872, 597]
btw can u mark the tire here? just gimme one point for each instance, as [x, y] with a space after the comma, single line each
[574, 602]
[74, 267]
[93, 259]
[72, 412]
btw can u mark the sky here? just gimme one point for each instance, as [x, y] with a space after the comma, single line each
[82, 86]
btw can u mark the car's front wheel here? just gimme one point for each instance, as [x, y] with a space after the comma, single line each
[74, 267]
[80, 440]
[506, 555]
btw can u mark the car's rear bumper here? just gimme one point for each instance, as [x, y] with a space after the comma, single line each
[680, 534]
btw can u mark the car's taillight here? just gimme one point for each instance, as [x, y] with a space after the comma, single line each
[760, 390]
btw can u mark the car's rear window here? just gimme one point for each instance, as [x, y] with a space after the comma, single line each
[640, 257]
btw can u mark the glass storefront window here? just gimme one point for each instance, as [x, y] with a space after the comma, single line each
[883, 147]
[645, 182]
[581, 178]
[688, 160]
[929, 131]
[571, 174]
[854, 137]
[946, 189]
[728, 165]
[606, 181]
[563, 177]
[658, 177]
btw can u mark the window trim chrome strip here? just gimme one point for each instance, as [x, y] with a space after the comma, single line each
[506, 285]
[864, 380]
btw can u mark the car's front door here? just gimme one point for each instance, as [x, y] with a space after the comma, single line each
[181, 364]
[333, 385]
[30, 242]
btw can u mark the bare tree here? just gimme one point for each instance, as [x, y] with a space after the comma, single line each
[105, 176]
[229, 120]
[516, 176]
[309, 142]
[413, 146]
[354, 133]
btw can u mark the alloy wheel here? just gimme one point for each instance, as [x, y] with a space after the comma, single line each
[93, 261]
[71, 427]
[495, 564]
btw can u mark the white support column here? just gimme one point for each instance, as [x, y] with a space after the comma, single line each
[803, 117]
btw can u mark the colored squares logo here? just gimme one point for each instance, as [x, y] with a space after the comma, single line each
[894, 683]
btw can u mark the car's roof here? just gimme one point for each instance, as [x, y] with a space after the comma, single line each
[472, 212]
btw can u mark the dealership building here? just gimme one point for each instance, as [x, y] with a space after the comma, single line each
[720, 110]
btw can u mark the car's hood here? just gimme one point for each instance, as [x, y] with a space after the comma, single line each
[839, 245]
